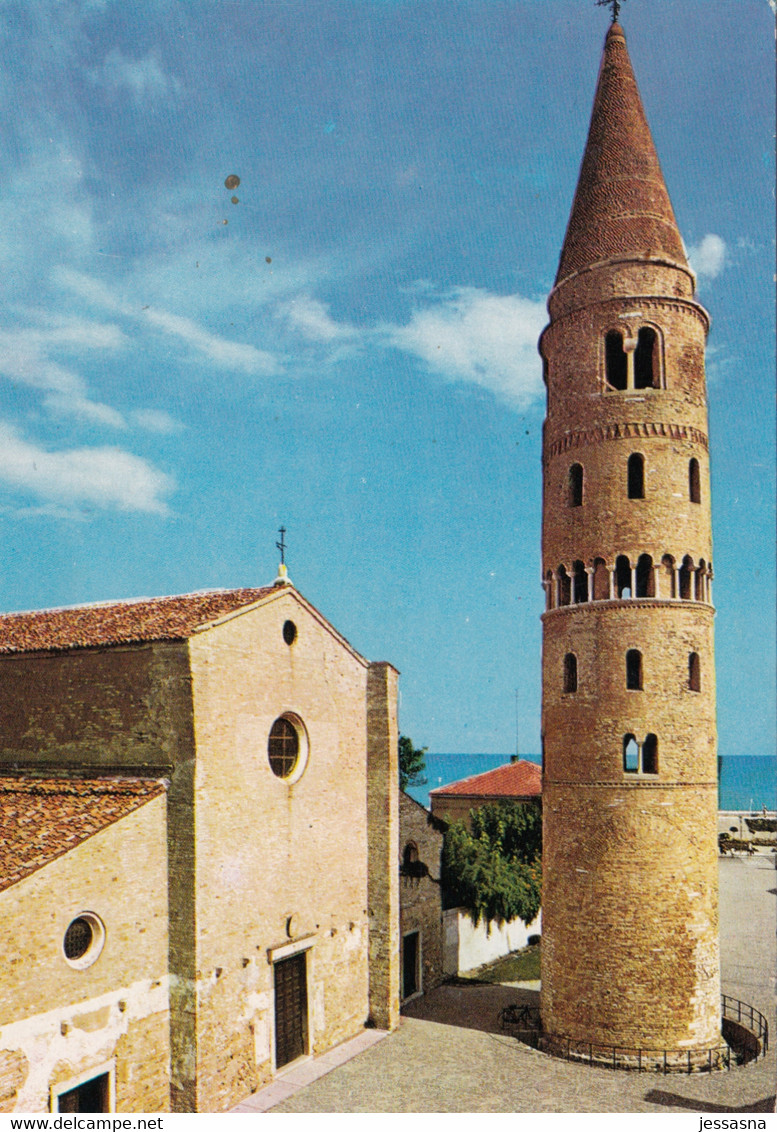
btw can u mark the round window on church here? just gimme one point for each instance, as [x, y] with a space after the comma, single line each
[83, 940]
[289, 632]
[287, 747]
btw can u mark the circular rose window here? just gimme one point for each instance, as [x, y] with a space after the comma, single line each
[287, 747]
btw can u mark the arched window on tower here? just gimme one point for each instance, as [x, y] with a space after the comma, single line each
[694, 672]
[601, 580]
[579, 583]
[686, 579]
[564, 586]
[694, 482]
[622, 576]
[646, 579]
[634, 670]
[570, 672]
[646, 368]
[615, 365]
[575, 486]
[630, 754]
[650, 755]
[635, 476]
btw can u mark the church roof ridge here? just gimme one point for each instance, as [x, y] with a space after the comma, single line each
[124, 621]
[621, 207]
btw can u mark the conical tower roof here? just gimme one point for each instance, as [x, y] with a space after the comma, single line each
[621, 207]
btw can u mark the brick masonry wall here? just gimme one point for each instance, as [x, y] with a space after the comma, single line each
[121, 707]
[57, 1023]
[277, 862]
[420, 898]
[630, 952]
[383, 835]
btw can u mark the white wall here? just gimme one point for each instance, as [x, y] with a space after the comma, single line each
[466, 946]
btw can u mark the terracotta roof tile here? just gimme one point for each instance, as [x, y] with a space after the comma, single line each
[520, 779]
[120, 622]
[40, 819]
[621, 205]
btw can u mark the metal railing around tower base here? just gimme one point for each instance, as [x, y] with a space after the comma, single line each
[745, 1029]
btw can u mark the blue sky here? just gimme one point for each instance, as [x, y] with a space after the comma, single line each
[350, 348]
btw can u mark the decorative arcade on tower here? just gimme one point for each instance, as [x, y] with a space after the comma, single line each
[630, 911]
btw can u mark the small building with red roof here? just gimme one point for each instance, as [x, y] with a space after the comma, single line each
[516, 781]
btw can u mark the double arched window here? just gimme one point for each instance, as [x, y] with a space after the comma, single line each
[632, 363]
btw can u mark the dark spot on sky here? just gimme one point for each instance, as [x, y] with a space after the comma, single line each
[232, 181]
[268, 259]
[235, 200]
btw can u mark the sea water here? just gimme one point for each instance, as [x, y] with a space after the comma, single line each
[746, 782]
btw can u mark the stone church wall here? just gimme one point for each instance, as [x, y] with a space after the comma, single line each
[280, 865]
[421, 895]
[57, 1024]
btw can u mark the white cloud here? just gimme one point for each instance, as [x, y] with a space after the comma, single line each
[107, 478]
[92, 412]
[312, 318]
[25, 360]
[708, 258]
[156, 420]
[232, 355]
[144, 78]
[241, 356]
[474, 336]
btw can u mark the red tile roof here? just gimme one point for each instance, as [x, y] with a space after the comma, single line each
[40, 819]
[520, 779]
[120, 622]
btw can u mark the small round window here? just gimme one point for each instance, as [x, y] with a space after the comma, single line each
[287, 747]
[289, 632]
[83, 940]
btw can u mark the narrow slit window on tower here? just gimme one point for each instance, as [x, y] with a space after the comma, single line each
[694, 672]
[694, 484]
[646, 578]
[579, 583]
[564, 586]
[630, 754]
[634, 670]
[650, 755]
[686, 579]
[570, 672]
[636, 476]
[622, 576]
[575, 486]
[615, 365]
[646, 359]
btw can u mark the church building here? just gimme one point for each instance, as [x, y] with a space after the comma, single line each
[630, 903]
[200, 836]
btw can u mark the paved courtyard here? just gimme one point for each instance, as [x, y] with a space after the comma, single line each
[449, 1056]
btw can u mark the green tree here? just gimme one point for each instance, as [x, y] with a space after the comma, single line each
[494, 871]
[412, 763]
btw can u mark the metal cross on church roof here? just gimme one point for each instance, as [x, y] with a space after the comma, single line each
[614, 4]
[282, 545]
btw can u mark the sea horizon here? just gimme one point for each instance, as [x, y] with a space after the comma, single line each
[747, 782]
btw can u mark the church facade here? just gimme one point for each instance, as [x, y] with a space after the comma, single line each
[630, 920]
[200, 882]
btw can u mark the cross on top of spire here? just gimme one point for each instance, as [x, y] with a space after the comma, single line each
[614, 4]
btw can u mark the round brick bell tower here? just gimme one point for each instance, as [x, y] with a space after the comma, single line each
[630, 921]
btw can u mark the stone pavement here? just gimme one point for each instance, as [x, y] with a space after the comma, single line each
[448, 1054]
